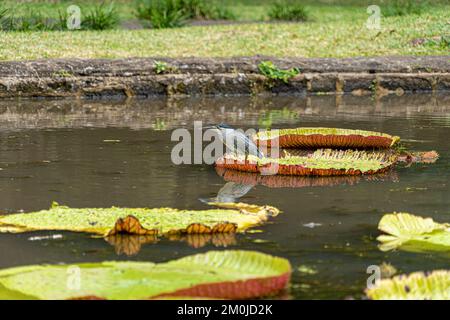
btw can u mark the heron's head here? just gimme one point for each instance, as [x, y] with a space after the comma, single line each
[223, 126]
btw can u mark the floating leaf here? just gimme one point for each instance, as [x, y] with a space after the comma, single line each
[231, 218]
[216, 274]
[325, 162]
[412, 232]
[325, 138]
[307, 270]
[416, 286]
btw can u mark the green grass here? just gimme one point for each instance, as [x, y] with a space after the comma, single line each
[403, 7]
[333, 31]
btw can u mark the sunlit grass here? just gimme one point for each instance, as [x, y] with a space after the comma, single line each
[332, 32]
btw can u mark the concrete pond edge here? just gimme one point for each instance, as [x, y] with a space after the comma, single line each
[140, 77]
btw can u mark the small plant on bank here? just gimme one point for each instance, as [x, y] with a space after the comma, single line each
[175, 13]
[32, 21]
[442, 42]
[402, 7]
[220, 13]
[162, 13]
[4, 14]
[272, 72]
[160, 67]
[101, 17]
[288, 11]
[202, 9]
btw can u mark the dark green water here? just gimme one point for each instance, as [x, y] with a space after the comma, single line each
[56, 151]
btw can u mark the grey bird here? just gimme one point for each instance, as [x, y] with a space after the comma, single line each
[237, 141]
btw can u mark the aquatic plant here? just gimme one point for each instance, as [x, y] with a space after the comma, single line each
[325, 162]
[415, 286]
[227, 218]
[272, 72]
[414, 233]
[215, 274]
[325, 138]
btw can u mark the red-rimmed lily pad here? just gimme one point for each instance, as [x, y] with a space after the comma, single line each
[324, 138]
[215, 274]
[321, 163]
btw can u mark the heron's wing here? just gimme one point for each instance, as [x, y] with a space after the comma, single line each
[240, 144]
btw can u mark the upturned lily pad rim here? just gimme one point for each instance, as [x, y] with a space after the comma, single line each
[215, 274]
[306, 131]
[407, 230]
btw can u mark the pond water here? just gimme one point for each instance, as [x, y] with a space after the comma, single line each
[105, 153]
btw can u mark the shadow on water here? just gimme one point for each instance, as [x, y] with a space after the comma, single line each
[105, 153]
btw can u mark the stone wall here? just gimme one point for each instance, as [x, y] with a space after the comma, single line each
[227, 76]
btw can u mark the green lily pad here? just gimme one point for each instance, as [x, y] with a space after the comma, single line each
[227, 218]
[215, 274]
[413, 233]
[323, 162]
[325, 138]
[416, 286]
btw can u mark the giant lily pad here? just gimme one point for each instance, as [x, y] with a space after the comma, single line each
[321, 163]
[216, 274]
[416, 286]
[409, 232]
[325, 138]
[228, 218]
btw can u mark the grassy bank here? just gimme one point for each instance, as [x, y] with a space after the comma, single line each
[331, 31]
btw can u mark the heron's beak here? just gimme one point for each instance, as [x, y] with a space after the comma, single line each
[210, 127]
